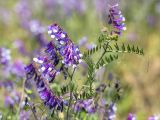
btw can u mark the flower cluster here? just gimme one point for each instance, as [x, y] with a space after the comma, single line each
[70, 53]
[46, 64]
[116, 19]
[56, 58]
[5, 56]
[46, 95]
[111, 111]
[87, 105]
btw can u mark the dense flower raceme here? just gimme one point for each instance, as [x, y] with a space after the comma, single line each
[58, 55]
[116, 19]
[46, 95]
[70, 53]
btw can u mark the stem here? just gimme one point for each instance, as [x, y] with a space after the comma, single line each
[104, 52]
[22, 95]
[35, 117]
[70, 100]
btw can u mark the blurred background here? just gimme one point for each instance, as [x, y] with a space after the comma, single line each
[23, 27]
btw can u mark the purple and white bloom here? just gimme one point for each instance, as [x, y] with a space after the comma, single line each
[116, 19]
[70, 53]
[46, 64]
[45, 94]
[112, 111]
[5, 56]
[87, 105]
[154, 117]
[131, 116]
[58, 54]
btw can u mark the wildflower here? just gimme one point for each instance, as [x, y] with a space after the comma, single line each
[131, 117]
[9, 102]
[37, 30]
[18, 69]
[116, 19]
[57, 56]
[8, 85]
[87, 105]
[30, 71]
[5, 56]
[111, 111]
[46, 64]
[45, 94]
[70, 53]
[24, 115]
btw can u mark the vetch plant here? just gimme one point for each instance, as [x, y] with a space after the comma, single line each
[62, 56]
[61, 81]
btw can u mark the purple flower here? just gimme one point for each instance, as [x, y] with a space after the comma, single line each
[154, 117]
[116, 19]
[87, 105]
[111, 111]
[37, 30]
[70, 53]
[46, 65]
[45, 94]
[24, 115]
[56, 57]
[8, 85]
[5, 56]
[131, 117]
[24, 13]
[9, 102]
[18, 69]
[30, 71]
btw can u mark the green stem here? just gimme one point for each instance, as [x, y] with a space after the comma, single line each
[104, 52]
[35, 117]
[70, 100]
